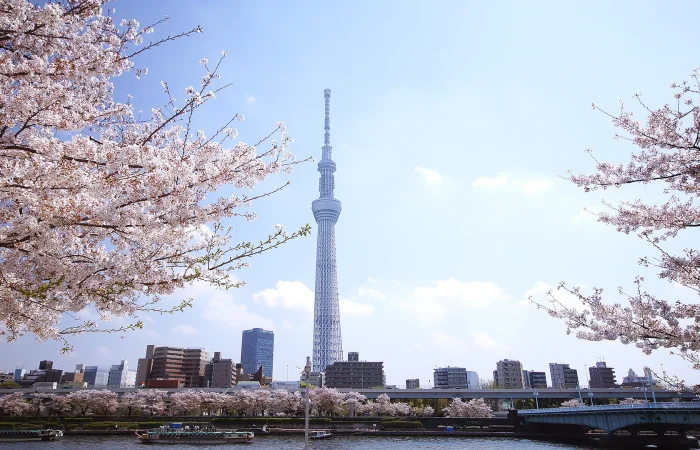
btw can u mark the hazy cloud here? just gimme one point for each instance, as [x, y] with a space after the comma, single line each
[185, 329]
[530, 187]
[488, 184]
[352, 308]
[428, 175]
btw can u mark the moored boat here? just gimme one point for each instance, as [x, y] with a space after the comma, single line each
[30, 435]
[319, 435]
[206, 436]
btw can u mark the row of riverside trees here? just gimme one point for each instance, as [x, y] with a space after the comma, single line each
[262, 402]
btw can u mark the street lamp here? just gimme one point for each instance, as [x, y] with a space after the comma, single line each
[537, 403]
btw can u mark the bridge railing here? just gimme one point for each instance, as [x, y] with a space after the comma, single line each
[649, 405]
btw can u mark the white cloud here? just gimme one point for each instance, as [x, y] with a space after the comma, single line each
[530, 187]
[221, 309]
[429, 176]
[488, 184]
[372, 293]
[250, 99]
[288, 294]
[477, 294]
[533, 187]
[352, 308]
[185, 329]
[485, 341]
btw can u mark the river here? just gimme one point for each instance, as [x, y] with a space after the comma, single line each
[297, 442]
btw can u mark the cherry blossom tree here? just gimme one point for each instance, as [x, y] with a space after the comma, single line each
[14, 405]
[428, 411]
[402, 409]
[326, 401]
[353, 401]
[573, 403]
[667, 157]
[102, 207]
[383, 406]
[104, 402]
[130, 404]
[186, 403]
[473, 408]
[152, 401]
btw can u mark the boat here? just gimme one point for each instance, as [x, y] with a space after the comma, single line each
[319, 435]
[175, 434]
[30, 435]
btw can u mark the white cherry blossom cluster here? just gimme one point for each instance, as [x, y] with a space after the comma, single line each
[98, 207]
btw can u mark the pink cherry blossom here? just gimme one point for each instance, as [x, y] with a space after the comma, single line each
[668, 143]
[99, 206]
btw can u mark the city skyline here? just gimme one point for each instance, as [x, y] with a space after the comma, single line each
[452, 142]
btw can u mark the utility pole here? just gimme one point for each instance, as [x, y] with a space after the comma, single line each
[307, 371]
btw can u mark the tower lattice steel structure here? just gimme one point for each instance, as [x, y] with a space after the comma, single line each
[328, 342]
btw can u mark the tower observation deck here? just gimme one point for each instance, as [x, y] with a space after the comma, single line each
[328, 343]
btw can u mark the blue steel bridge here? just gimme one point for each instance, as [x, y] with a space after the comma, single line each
[658, 417]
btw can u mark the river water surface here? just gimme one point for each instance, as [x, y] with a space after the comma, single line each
[297, 442]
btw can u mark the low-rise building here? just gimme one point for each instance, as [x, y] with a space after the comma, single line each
[602, 376]
[473, 380]
[355, 374]
[563, 377]
[120, 376]
[96, 376]
[633, 380]
[223, 372]
[535, 380]
[413, 383]
[450, 378]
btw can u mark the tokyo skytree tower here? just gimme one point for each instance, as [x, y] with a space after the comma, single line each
[328, 343]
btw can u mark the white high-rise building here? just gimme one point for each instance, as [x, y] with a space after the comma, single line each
[328, 342]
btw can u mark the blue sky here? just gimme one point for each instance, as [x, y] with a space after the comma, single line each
[451, 124]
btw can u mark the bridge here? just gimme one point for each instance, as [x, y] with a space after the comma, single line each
[466, 394]
[659, 417]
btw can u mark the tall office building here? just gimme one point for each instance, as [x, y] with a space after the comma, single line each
[509, 374]
[328, 342]
[563, 377]
[257, 348]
